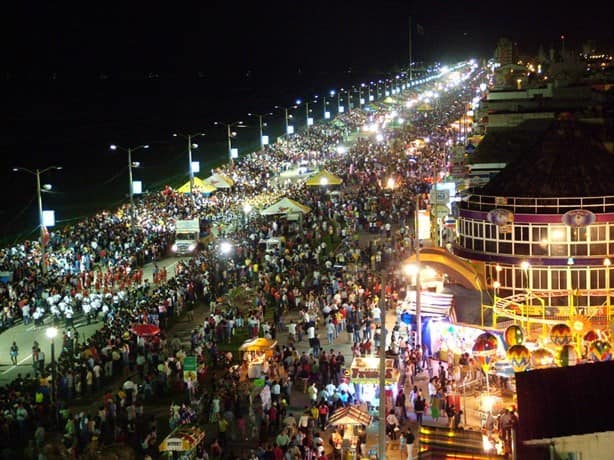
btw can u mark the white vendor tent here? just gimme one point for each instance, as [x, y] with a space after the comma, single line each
[286, 206]
[219, 181]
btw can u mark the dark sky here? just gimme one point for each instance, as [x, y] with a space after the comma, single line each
[212, 35]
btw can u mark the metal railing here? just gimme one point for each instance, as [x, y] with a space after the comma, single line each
[537, 205]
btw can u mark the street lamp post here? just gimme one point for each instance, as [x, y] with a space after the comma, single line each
[299, 102]
[349, 100]
[37, 173]
[51, 333]
[286, 118]
[382, 370]
[418, 286]
[307, 114]
[260, 126]
[190, 146]
[607, 263]
[229, 137]
[230, 134]
[129, 150]
[326, 113]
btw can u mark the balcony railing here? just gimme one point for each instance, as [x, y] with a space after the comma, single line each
[535, 205]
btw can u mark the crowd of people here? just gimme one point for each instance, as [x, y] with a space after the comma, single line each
[94, 268]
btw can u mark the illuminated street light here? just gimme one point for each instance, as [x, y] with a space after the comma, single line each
[190, 147]
[289, 127]
[264, 140]
[326, 113]
[129, 150]
[225, 247]
[229, 135]
[41, 222]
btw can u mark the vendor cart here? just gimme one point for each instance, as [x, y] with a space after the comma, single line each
[255, 351]
[182, 443]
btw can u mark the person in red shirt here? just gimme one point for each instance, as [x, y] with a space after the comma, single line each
[278, 452]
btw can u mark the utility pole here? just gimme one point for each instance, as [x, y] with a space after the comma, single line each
[418, 286]
[410, 53]
[382, 369]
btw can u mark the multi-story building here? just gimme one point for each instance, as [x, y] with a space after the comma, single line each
[505, 52]
[542, 230]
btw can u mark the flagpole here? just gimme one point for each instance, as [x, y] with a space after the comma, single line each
[410, 57]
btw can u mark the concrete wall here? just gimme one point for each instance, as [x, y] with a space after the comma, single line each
[508, 120]
[596, 446]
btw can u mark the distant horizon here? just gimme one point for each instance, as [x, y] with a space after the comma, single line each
[152, 71]
[279, 35]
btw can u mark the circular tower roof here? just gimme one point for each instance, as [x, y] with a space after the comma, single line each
[567, 160]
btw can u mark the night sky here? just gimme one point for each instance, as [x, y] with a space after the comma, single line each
[278, 35]
[59, 108]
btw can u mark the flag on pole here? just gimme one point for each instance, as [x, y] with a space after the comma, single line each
[419, 29]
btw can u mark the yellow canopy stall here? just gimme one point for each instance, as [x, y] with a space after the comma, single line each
[258, 344]
[199, 186]
[255, 352]
[323, 178]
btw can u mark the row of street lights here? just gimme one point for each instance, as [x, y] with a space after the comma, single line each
[230, 134]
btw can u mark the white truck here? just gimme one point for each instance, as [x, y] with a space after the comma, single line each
[187, 236]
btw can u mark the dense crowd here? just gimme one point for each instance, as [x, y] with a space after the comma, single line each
[94, 268]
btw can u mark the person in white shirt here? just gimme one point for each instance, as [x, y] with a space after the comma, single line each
[292, 330]
[312, 391]
[311, 331]
[25, 313]
[432, 389]
[276, 391]
[376, 312]
[330, 332]
[392, 425]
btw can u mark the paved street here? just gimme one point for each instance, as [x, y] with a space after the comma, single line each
[25, 335]
[470, 403]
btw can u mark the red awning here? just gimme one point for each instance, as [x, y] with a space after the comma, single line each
[145, 330]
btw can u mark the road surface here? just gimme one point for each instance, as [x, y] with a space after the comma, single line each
[25, 335]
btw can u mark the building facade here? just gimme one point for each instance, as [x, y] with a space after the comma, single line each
[540, 236]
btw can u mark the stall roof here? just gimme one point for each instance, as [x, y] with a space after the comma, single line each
[366, 370]
[182, 439]
[350, 415]
[258, 344]
[432, 304]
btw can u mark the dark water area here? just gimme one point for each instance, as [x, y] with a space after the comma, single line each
[71, 122]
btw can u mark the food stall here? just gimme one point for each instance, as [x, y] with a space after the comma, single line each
[447, 340]
[364, 375]
[255, 352]
[182, 443]
[350, 418]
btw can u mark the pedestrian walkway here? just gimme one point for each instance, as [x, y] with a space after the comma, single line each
[471, 420]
